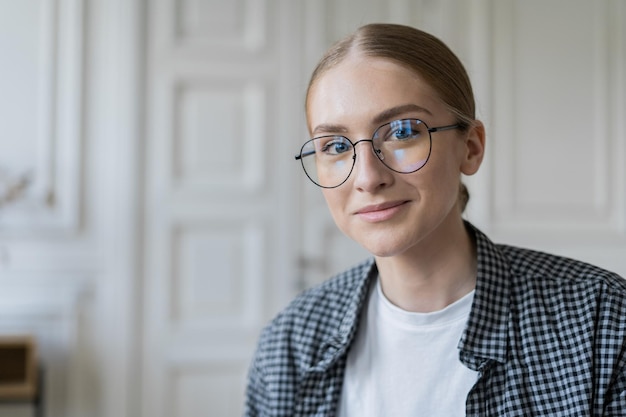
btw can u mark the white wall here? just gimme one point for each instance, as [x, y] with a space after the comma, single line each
[71, 122]
[166, 221]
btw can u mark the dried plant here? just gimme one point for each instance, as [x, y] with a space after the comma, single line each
[11, 189]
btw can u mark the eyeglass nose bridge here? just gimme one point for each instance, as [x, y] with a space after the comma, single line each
[377, 152]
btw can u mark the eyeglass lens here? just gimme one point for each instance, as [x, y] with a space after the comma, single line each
[402, 145]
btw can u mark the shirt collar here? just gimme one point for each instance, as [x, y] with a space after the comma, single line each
[486, 334]
[353, 296]
[357, 296]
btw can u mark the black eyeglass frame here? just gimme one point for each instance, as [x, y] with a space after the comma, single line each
[300, 157]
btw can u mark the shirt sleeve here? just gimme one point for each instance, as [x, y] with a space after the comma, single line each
[614, 335]
[256, 403]
[617, 405]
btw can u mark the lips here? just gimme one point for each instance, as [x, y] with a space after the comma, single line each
[380, 212]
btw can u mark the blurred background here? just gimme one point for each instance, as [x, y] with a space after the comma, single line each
[152, 215]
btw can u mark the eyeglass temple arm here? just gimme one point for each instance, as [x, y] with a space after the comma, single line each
[302, 155]
[441, 128]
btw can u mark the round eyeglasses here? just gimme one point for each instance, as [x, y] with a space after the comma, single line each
[402, 145]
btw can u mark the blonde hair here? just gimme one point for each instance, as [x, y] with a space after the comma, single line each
[419, 52]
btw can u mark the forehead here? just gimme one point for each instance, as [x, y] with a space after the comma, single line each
[362, 87]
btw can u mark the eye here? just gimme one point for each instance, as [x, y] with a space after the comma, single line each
[403, 133]
[404, 129]
[336, 146]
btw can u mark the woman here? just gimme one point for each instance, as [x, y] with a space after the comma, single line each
[441, 322]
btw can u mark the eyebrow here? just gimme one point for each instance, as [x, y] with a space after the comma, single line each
[328, 127]
[381, 118]
[398, 110]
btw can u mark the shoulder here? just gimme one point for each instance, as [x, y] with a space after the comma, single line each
[327, 302]
[316, 315]
[537, 265]
[330, 295]
[576, 291]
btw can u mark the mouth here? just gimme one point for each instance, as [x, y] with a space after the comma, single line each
[380, 212]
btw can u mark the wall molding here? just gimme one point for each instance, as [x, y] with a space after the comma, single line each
[53, 198]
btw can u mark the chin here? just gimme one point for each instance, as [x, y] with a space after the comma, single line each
[389, 242]
[385, 253]
[379, 248]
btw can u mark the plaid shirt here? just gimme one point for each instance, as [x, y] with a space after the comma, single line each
[546, 334]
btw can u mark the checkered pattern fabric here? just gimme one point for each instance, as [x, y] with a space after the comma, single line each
[546, 334]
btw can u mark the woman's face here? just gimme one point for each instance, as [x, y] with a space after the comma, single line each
[386, 212]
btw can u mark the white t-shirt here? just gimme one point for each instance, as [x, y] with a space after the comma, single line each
[407, 364]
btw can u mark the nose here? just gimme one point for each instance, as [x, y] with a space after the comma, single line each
[370, 174]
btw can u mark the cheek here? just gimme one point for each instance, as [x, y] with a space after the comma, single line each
[438, 182]
[336, 200]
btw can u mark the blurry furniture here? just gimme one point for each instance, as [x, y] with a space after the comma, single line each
[20, 378]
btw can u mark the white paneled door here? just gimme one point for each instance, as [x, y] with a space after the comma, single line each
[222, 80]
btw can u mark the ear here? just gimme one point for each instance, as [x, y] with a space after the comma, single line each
[474, 148]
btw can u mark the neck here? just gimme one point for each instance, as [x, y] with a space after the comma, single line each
[434, 274]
